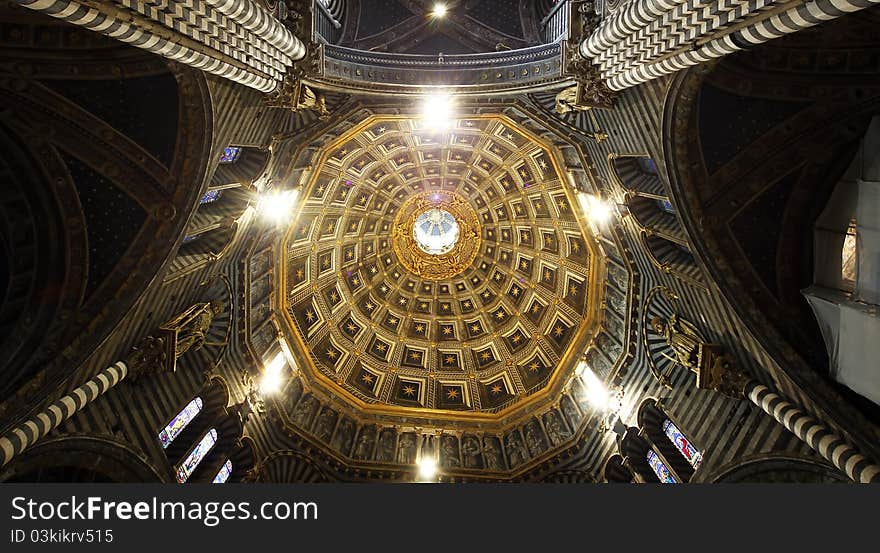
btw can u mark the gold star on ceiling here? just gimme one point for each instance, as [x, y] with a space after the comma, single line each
[409, 391]
[452, 394]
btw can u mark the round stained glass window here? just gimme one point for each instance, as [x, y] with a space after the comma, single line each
[436, 231]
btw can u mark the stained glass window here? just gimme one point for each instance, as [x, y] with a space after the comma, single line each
[659, 468]
[211, 196]
[647, 165]
[224, 474]
[190, 238]
[178, 423]
[185, 470]
[230, 154]
[684, 446]
[666, 205]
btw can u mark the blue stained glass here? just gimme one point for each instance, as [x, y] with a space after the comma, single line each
[224, 474]
[178, 423]
[666, 206]
[659, 468]
[211, 196]
[185, 470]
[685, 447]
[647, 165]
[230, 154]
[190, 238]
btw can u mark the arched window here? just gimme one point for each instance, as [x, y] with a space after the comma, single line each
[179, 422]
[848, 255]
[210, 196]
[185, 470]
[663, 473]
[666, 205]
[224, 474]
[230, 154]
[684, 446]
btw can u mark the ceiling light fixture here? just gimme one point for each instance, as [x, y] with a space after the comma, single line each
[277, 207]
[436, 111]
[427, 469]
[272, 378]
[597, 211]
[439, 10]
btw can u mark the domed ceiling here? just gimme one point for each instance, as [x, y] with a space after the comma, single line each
[438, 274]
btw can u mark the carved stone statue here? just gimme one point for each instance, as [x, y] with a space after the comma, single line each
[470, 450]
[406, 449]
[385, 450]
[516, 452]
[326, 422]
[305, 411]
[365, 442]
[309, 99]
[683, 338]
[566, 101]
[449, 451]
[191, 327]
[571, 411]
[492, 453]
[342, 439]
[534, 440]
[556, 431]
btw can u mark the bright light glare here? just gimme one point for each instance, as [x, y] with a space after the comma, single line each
[272, 379]
[597, 394]
[439, 10]
[277, 207]
[427, 468]
[437, 111]
[596, 210]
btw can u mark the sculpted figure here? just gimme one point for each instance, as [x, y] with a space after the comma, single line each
[470, 450]
[386, 445]
[193, 324]
[682, 337]
[449, 451]
[366, 440]
[516, 452]
[492, 453]
[406, 449]
[555, 429]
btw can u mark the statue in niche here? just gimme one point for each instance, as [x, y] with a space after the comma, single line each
[618, 276]
[614, 324]
[556, 430]
[567, 101]
[305, 411]
[449, 451]
[534, 439]
[714, 368]
[292, 394]
[406, 449]
[570, 410]
[326, 422]
[309, 99]
[365, 443]
[492, 453]
[342, 440]
[616, 300]
[516, 452]
[385, 452]
[190, 328]
[683, 338]
[470, 450]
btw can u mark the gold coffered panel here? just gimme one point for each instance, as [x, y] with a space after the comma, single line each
[474, 333]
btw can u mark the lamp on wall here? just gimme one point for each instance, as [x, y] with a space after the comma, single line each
[606, 402]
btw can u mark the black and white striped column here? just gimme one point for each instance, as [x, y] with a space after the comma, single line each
[31, 431]
[815, 434]
[234, 39]
[651, 38]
